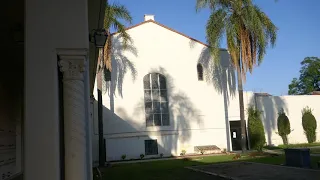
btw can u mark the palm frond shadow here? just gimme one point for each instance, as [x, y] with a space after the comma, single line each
[221, 74]
[121, 65]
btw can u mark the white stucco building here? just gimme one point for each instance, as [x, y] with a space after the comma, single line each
[165, 87]
[166, 95]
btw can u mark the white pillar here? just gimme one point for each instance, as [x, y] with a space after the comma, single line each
[73, 65]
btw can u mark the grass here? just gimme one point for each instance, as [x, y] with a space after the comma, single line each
[299, 145]
[314, 147]
[174, 169]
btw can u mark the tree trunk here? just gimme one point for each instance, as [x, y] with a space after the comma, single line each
[100, 116]
[108, 51]
[241, 106]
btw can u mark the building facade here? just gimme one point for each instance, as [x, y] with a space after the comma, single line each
[167, 96]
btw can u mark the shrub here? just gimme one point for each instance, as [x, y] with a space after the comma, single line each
[236, 157]
[123, 157]
[283, 126]
[224, 150]
[309, 124]
[183, 152]
[141, 156]
[256, 130]
[161, 155]
[202, 151]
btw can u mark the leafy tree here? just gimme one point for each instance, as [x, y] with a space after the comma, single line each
[248, 31]
[309, 77]
[256, 129]
[309, 124]
[284, 128]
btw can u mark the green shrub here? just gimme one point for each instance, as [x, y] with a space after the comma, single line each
[256, 130]
[123, 157]
[283, 126]
[309, 124]
[183, 152]
[141, 156]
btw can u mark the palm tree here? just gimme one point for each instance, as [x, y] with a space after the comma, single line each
[113, 15]
[248, 31]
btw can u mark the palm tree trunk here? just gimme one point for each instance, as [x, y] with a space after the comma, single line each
[107, 57]
[241, 106]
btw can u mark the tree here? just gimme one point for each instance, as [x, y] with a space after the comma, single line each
[284, 128]
[309, 77]
[113, 14]
[256, 129]
[309, 124]
[248, 31]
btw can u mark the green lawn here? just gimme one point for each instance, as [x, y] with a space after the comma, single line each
[314, 147]
[300, 145]
[174, 169]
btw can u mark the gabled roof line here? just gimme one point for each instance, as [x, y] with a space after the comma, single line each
[170, 29]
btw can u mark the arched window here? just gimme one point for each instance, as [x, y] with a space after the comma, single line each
[156, 100]
[200, 72]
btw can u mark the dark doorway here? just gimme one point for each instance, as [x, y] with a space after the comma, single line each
[235, 131]
[12, 98]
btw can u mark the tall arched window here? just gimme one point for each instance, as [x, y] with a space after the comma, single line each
[156, 100]
[200, 72]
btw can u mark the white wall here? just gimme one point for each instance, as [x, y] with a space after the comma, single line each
[200, 111]
[292, 105]
[197, 108]
[50, 25]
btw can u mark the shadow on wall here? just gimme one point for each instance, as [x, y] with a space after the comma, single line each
[125, 134]
[220, 74]
[182, 113]
[120, 66]
[269, 107]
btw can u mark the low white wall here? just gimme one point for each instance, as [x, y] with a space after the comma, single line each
[292, 105]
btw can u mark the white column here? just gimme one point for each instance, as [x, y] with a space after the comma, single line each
[73, 67]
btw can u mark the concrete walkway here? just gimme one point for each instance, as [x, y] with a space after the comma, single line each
[254, 171]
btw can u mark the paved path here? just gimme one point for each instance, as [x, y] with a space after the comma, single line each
[257, 171]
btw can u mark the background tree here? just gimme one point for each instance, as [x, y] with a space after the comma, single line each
[248, 31]
[114, 13]
[255, 129]
[309, 77]
[309, 124]
[284, 128]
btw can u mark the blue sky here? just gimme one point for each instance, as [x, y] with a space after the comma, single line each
[298, 36]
